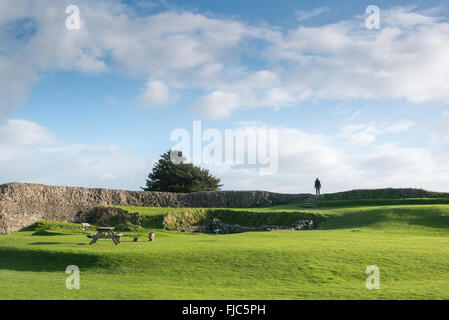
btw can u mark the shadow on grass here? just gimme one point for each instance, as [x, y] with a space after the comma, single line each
[44, 243]
[432, 217]
[43, 261]
[48, 233]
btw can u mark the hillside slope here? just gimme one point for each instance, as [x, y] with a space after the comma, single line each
[387, 193]
[408, 243]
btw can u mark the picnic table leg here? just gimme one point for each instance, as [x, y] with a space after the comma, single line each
[94, 239]
[113, 236]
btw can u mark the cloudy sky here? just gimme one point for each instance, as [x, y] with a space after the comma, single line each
[95, 107]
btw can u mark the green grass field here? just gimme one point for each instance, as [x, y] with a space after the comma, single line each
[409, 242]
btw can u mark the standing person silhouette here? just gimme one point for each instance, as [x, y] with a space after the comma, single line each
[317, 187]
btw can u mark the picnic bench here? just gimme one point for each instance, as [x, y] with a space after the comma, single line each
[105, 233]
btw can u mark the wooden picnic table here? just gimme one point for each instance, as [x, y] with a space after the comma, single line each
[105, 233]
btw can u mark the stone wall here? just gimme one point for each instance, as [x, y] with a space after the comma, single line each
[22, 204]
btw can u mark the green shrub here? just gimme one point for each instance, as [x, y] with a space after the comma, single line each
[113, 217]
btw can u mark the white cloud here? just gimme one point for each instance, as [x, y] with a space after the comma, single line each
[400, 126]
[304, 156]
[180, 49]
[302, 15]
[344, 60]
[31, 153]
[360, 134]
[217, 105]
[16, 132]
[15, 79]
[391, 162]
[406, 17]
[185, 50]
[156, 94]
[366, 133]
[406, 59]
[439, 134]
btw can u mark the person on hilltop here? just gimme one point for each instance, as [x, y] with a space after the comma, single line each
[317, 187]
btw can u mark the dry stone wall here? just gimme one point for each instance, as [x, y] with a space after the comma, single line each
[22, 204]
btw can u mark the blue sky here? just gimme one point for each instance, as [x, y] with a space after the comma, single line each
[95, 107]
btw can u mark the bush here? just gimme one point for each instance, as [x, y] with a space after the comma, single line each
[119, 218]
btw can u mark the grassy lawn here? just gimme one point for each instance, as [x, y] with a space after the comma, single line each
[409, 243]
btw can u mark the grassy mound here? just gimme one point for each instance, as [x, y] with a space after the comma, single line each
[323, 203]
[397, 219]
[51, 228]
[409, 244]
[51, 225]
[388, 193]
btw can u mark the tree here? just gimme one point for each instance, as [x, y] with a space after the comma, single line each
[178, 176]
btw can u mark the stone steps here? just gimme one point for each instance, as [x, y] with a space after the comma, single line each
[309, 203]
